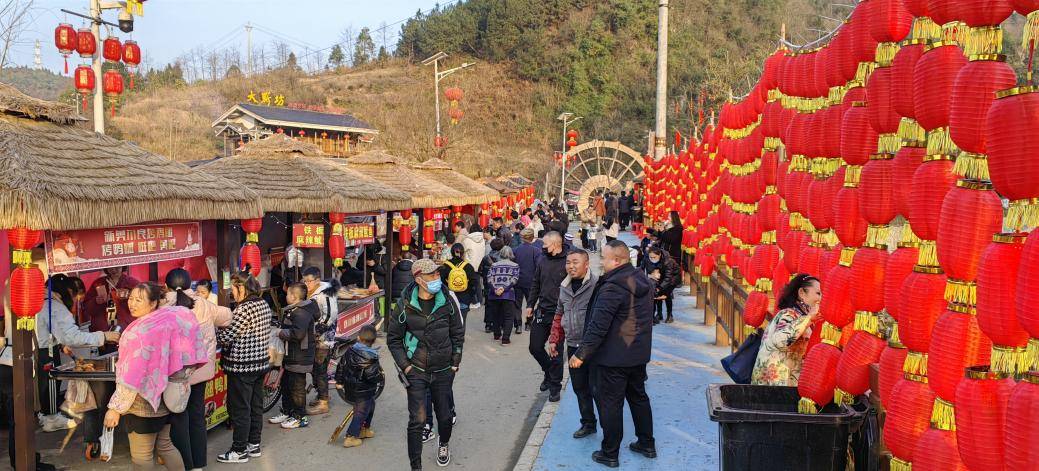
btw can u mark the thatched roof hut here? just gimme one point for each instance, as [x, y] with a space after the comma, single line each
[425, 192]
[293, 176]
[499, 186]
[56, 176]
[476, 192]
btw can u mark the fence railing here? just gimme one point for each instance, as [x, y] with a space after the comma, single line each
[722, 298]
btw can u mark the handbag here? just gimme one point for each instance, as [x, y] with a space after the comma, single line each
[740, 364]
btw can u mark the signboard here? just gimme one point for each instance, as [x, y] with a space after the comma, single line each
[308, 236]
[94, 249]
[398, 221]
[216, 397]
[351, 320]
[358, 233]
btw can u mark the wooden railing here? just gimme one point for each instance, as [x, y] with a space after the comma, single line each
[722, 298]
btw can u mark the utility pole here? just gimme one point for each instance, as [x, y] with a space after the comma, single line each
[660, 132]
[249, 48]
[437, 77]
[99, 97]
[567, 121]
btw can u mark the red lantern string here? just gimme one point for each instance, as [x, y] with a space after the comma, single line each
[936, 451]
[864, 349]
[818, 378]
[932, 180]
[981, 402]
[837, 310]
[1022, 424]
[754, 309]
[997, 289]
[922, 303]
[1012, 165]
[891, 361]
[971, 214]
[867, 279]
[250, 258]
[908, 417]
[1028, 292]
[956, 343]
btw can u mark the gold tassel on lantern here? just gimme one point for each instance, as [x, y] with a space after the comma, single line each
[943, 415]
[1023, 214]
[868, 322]
[972, 166]
[915, 364]
[928, 255]
[963, 292]
[983, 40]
[1010, 360]
[893, 336]
[831, 334]
[1032, 354]
[840, 396]
[847, 255]
[885, 53]
[898, 464]
[911, 133]
[1031, 31]
[877, 235]
[807, 406]
[939, 142]
[925, 28]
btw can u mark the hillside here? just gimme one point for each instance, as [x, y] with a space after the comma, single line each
[37, 83]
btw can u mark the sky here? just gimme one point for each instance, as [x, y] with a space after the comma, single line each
[170, 28]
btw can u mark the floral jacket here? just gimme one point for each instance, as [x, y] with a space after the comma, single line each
[782, 351]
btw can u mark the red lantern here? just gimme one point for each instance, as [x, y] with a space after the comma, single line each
[302, 133]
[936, 451]
[980, 13]
[981, 402]
[908, 417]
[112, 82]
[485, 217]
[132, 58]
[956, 343]
[997, 290]
[456, 115]
[922, 301]
[837, 288]
[858, 138]
[250, 258]
[252, 226]
[906, 161]
[454, 94]
[932, 83]
[428, 233]
[899, 265]
[972, 94]
[337, 249]
[902, 68]
[891, 361]
[65, 41]
[931, 182]
[889, 20]
[853, 369]
[1013, 168]
[112, 49]
[86, 43]
[971, 215]
[818, 378]
[867, 279]
[1028, 288]
[880, 94]
[755, 308]
[85, 82]
[1022, 424]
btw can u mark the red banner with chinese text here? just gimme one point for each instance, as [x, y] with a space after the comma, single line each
[308, 236]
[94, 249]
[358, 234]
[351, 320]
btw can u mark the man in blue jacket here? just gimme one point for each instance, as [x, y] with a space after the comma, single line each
[527, 256]
[618, 338]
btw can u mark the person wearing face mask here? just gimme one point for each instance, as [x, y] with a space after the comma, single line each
[452, 272]
[425, 336]
[109, 292]
[618, 338]
[662, 269]
[246, 359]
[544, 297]
[785, 340]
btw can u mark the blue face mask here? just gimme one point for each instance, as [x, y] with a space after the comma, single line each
[434, 286]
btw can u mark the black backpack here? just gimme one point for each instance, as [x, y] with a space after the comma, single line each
[740, 364]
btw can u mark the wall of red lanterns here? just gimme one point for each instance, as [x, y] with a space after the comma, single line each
[69, 40]
[897, 164]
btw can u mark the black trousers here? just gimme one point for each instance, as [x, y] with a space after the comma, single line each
[625, 219]
[93, 421]
[582, 380]
[658, 305]
[502, 312]
[188, 429]
[364, 411]
[615, 385]
[552, 367]
[293, 394]
[439, 386]
[43, 359]
[245, 406]
[319, 375]
[522, 299]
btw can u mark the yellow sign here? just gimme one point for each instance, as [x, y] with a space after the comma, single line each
[266, 98]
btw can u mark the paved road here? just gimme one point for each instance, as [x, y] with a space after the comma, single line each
[684, 361]
[497, 402]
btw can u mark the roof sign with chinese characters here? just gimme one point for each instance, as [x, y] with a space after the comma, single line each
[308, 236]
[94, 249]
[358, 234]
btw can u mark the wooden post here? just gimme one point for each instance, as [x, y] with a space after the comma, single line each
[721, 338]
[223, 262]
[712, 300]
[701, 293]
[24, 397]
[387, 266]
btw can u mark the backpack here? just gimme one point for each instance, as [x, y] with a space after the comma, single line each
[457, 280]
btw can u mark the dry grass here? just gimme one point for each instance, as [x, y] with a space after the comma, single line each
[499, 134]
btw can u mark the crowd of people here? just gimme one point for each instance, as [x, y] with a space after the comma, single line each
[525, 269]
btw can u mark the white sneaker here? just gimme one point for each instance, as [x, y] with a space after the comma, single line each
[278, 419]
[233, 457]
[253, 450]
[55, 422]
[290, 423]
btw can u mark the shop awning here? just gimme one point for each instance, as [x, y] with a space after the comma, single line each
[57, 176]
[475, 192]
[293, 176]
[425, 192]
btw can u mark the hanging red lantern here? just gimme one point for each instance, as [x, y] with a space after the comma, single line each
[997, 289]
[818, 378]
[454, 95]
[980, 13]
[250, 259]
[902, 71]
[1022, 424]
[880, 94]
[27, 293]
[112, 49]
[972, 94]
[906, 161]
[86, 43]
[1028, 290]
[889, 20]
[428, 232]
[84, 79]
[485, 217]
[899, 265]
[755, 308]
[922, 302]
[931, 182]
[251, 228]
[932, 82]
[956, 343]
[891, 361]
[981, 402]
[456, 115]
[908, 417]
[1013, 168]
[971, 214]
[404, 234]
[132, 58]
[858, 138]
[112, 82]
[336, 249]
[302, 133]
[837, 288]
[877, 183]
[867, 279]
[853, 369]
[936, 451]
[65, 41]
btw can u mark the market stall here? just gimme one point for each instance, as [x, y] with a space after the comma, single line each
[477, 195]
[57, 177]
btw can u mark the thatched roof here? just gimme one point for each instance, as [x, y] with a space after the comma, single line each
[476, 192]
[55, 176]
[498, 186]
[520, 179]
[514, 181]
[425, 192]
[294, 176]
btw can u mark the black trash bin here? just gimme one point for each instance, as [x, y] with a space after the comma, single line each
[759, 428]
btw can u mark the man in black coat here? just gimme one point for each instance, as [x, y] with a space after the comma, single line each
[618, 338]
[624, 204]
[544, 298]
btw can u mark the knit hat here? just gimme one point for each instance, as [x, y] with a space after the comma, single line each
[423, 267]
[568, 237]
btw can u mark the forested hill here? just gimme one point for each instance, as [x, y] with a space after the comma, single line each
[597, 57]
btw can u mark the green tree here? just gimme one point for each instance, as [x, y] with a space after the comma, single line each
[291, 63]
[233, 71]
[336, 58]
[364, 48]
[384, 55]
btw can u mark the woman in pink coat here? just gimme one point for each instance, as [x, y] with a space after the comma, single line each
[188, 428]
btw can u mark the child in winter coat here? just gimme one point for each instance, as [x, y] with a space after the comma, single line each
[365, 374]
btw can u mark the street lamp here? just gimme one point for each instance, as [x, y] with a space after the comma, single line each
[438, 76]
[567, 118]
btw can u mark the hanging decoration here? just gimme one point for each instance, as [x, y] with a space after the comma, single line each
[132, 59]
[404, 233]
[26, 283]
[250, 253]
[66, 42]
[336, 242]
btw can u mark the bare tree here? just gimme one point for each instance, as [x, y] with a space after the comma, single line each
[14, 19]
[384, 36]
[281, 51]
[347, 38]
